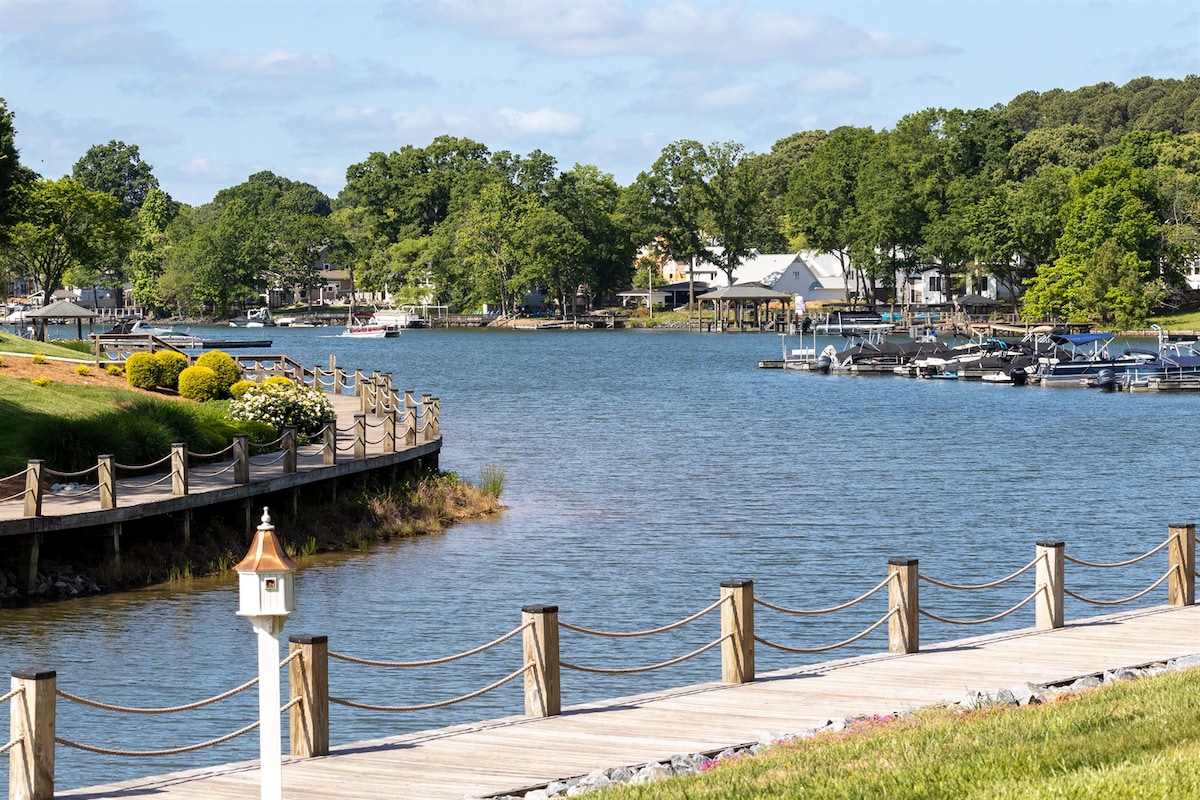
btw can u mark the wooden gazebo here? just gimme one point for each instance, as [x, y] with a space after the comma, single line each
[60, 309]
[739, 296]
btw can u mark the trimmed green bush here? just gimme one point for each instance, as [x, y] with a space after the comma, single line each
[224, 367]
[199, 383]
[238, 389]
[279, 380]
[41, 383]
[113, 370]
[170, 364]
[83, 369]
[38, 358]
[141, 371]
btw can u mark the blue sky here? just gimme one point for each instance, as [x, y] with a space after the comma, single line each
[212, 91]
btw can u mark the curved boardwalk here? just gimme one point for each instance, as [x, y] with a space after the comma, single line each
[504, 755]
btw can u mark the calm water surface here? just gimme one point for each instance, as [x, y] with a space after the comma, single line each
[643, 468]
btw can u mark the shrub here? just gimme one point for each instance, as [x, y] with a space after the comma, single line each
[113, 370]
[1, 361]
[78, 345]
[280, 405]
[199, 383]
[279, 380]
[38, 358]
[170, 364]
[224, 367]
[42, 382]
[141, 371]
[82, 369]
[238, 389]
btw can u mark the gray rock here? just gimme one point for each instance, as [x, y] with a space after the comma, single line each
[537, 794]
[620, 775]
[1026, 694]
[649, 773]
[1121, 675]
[1004, 697]
[1184, 662]
[1086, 682]
[556, 789]
[973, 700]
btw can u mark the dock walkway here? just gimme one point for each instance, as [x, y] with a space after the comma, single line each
[516, 753]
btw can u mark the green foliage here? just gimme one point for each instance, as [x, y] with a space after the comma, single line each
[116, 169]
[226, 369]
[78, 345]
[113, 370]
[15, 344]
[141, 371]
[41, 383]
[1, 361]
[170, 365]
[199, 383]
[82, 369]
[491, 480]
[279, 380]
[38, 358]
[239, 388]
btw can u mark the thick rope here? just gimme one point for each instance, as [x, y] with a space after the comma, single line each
[227, 468]
[431, 662]
[1131, 598]
[1001, 615]
[12, 694]
[136, 467]
[831, 609]
[374, 442]
[1142, 557]
[11, 745]
[12, 497]
[171, 751]
[80, 493]
[228, 448]
[20, 474]
[441, 704]
[632, 670]
[630, 634]
[272, 443]
[130, 484]
[268, 462]
[56, 474]
[973, 586]
[826, 648]
[166, 710]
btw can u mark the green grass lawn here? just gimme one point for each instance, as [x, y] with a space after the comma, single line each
[1189, 321]
[1138, 739]
[15, 344]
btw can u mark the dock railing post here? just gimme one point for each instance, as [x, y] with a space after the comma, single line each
[543, 692]
[360, 436]
[389, 432]
[1049, 574]
[329, 443]
[179, 469]
[316, 373]
[339, 381]
[904, 632]
[358, 382]
[437, 418]
[289, 449]
[33, 487]
[737, 631]
[241, 458]
[31, 763]
[1181, 560]
[388, 392]
[410, 419]
[308, 679]
[364, 401]
[427, 416]
[106, 476]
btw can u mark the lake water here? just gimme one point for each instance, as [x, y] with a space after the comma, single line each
[643, 468]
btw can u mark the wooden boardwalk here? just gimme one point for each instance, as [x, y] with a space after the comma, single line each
[503, 755]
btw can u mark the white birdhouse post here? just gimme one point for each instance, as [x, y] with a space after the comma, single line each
[267, 594]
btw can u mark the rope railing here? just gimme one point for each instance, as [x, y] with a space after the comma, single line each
[1129, 599]
[11, 744]
[631, 634]
[651, 667]
[164, 710]
[132, 485]
[227, 449]
[993, 618]
[808, 612]
[167, 751]
[77, 474]
[1115, 564]
[279, 456]
[971, 587]
[439, 704]
[19, 495]
[227, 468]
[4, 698]
[77, 493]
[432, 661]
[15, 475]
[828, 647]
[266, 447]
[138, 467]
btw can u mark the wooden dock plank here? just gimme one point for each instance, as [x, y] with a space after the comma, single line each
[501, 755]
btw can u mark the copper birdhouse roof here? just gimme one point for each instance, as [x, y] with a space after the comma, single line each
[266, 554]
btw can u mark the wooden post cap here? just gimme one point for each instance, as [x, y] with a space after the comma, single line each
[1178, 524]
[737, 583]
[308, 638]
[1048, 543]
[540, 609]
[34, 674]
[900, 561]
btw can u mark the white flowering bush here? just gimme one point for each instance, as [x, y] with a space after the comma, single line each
[283, 404]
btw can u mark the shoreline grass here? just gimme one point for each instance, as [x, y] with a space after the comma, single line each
[1135, 739]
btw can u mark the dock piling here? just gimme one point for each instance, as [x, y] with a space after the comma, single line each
[31, 763]
[903, 606]
[179, 469]
[1049, 577]
[308, 680]
[107, 478]
[33, 487]
[1181, 557]
[737, 631]
[543, 690]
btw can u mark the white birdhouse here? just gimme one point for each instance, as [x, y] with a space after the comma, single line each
[266, 576]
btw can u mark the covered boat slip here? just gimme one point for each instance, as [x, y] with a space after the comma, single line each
[518, 753]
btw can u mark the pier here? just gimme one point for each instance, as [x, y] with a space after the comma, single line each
[377, 427]
[554, 742]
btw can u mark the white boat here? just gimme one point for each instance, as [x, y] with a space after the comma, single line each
[370, 331]
[403, 317]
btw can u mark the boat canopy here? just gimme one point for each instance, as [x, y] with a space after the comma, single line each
[1081, 338]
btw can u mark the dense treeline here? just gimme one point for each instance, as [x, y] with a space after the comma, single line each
[1086, 201]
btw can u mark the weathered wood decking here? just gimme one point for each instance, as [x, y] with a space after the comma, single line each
[502, 755]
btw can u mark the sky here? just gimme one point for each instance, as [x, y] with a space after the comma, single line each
[212, 91]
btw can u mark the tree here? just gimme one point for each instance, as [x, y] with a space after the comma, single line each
[152, 247]
[117, 169]
[227, 255]
[13, 176]
[591, 200]
[64, 227]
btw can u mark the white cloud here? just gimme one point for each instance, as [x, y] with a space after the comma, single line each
[543, 120]
[830, 82]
